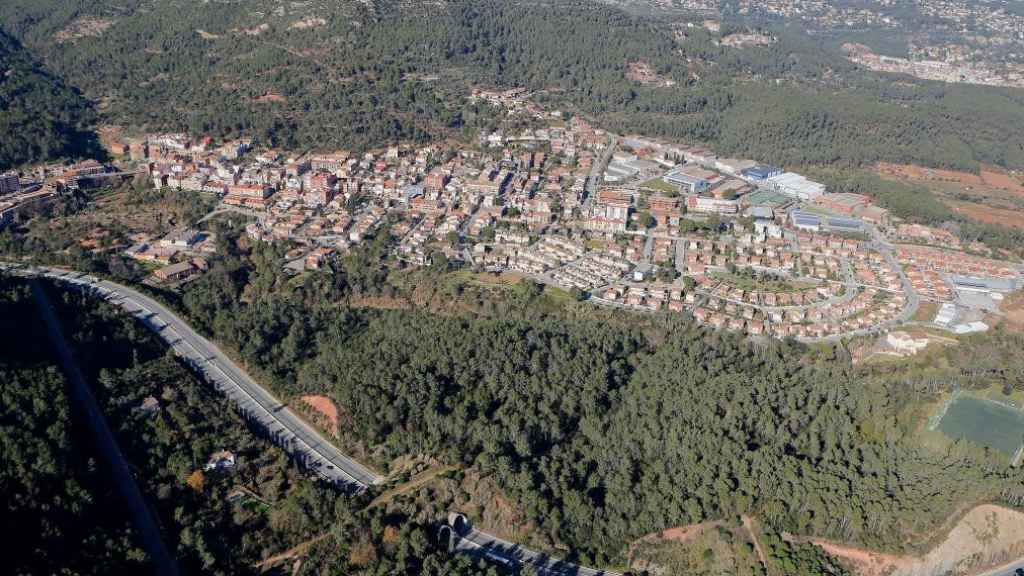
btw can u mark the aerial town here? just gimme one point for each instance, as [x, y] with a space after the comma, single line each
[948, 40]
[946, 65]
[623, 222]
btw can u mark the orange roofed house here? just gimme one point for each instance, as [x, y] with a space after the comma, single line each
[249, 195]
[611, 212]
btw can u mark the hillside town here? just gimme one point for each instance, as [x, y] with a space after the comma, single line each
[947, 40]
[624, 222]
[947, 65]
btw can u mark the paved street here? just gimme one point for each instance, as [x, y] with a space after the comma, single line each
[258, 404]
[302, 441]
[596, 176]
[473, 541]
[280, 422]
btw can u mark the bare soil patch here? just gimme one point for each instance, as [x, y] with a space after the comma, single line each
[985, 537]
[717, 547]
[1013, 308]
[298, 550]
[499, 279]
[308, 22]
[642, 73]
[270, 97]
[490, 509]
[110, 136]
[988, 176]
[380, 303]
[325, 410]
[254, 31]
[1001, 180]
[748, 525]
[989, 214]
[414, 483]
[84, 27]
[864, 562]
[680, 534]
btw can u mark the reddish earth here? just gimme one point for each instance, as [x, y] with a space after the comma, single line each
[85, 26]
[326, 409]
[109, 135]
[679, 534]
[1001, 180]
[864, 562]
[988, 177]
[985, 537]
[255, 31]
[684, 533]
[380, 303]
[309, 22]
[1013, 308]
[502, 279]
[271, 97]
[642, 73]
[988, 214]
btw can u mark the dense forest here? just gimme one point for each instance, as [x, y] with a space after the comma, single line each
[61, 512]
[355, 75]
[215, 522]
[604, 431]
[600, 426]
[41, 118]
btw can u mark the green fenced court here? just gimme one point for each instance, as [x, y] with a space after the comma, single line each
[985, 423]
[767, 198]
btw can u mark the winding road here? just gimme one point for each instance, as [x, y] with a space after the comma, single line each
[258, 404]
[285, 427]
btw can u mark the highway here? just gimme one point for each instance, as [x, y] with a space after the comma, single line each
[472, 541]
[302, 441]
[254, 401]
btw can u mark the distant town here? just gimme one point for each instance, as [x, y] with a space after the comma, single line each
[624, 222]
[946, 40]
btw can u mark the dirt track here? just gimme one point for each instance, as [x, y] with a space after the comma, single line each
[986, 536]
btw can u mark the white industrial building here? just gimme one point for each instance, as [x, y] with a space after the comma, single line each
[946, 314]
[795, 186]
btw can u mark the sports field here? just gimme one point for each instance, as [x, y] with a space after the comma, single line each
[984, 422]
[767, 198]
